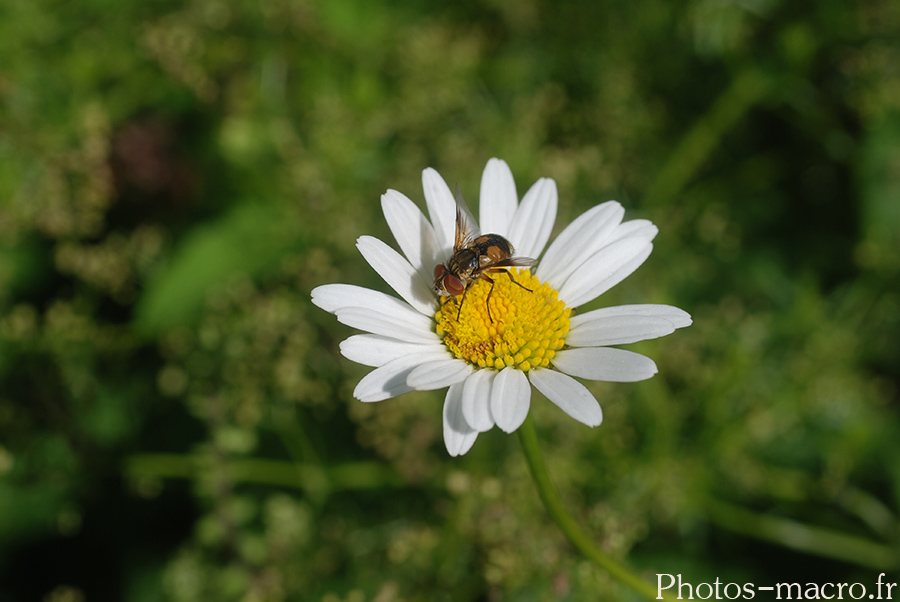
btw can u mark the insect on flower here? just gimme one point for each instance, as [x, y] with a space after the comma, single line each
[532, 337]
[475, 256]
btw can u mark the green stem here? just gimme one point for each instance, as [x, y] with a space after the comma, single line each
[747, 88]
[804, 538]
[554, 505]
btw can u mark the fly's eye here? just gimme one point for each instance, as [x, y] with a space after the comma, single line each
[438, 271]
[453, 285]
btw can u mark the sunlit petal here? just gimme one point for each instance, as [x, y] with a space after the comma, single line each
[441, 209]
[605, 363]
[498, 200]
[530, 228]
[412, 231]
[582, 238]
[624, 324]
[377, 350]
[459, 437]
[510, 399]
[476, 400]
[438, 373]
[404, 323]
[398, 273]
[604, 270]
[569, 394]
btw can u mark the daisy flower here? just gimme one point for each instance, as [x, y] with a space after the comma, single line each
[505, 338]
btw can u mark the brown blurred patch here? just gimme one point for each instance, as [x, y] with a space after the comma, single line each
[149, 175]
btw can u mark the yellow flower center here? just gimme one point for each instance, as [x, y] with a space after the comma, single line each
[525, 328]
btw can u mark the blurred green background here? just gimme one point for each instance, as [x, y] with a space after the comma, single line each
[176, 422]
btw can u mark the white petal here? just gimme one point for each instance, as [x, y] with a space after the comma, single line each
[625, 324]
[531, 227]
[641, 228]
[569, 394]
[377, 350]
[441, 209]
[398, 273]
[510, 399]
[388, 380]
[618, 330]
[605, 363]
[412, 231]
[582, 238]
[332, 297]
[438, 373]
[339, 298]
[604, 270]
[498, 199]
[476, 400]
[678, 317]
[404, 324]
[459, 437]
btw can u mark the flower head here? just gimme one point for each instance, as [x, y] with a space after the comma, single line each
[513, 327]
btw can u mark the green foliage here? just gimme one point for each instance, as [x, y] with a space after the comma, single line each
[176, 422]
[248, 241]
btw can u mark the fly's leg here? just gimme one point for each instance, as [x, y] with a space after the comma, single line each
[508, 273]
[487, 301]
[484, 276]
[489, 279]
[461, 301]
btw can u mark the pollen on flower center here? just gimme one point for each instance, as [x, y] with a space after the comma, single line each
[527, 329]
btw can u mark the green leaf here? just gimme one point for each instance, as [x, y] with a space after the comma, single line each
[249, 240]
[881, 184]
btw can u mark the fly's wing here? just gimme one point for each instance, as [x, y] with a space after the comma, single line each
[466, 226]
[512, 262]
